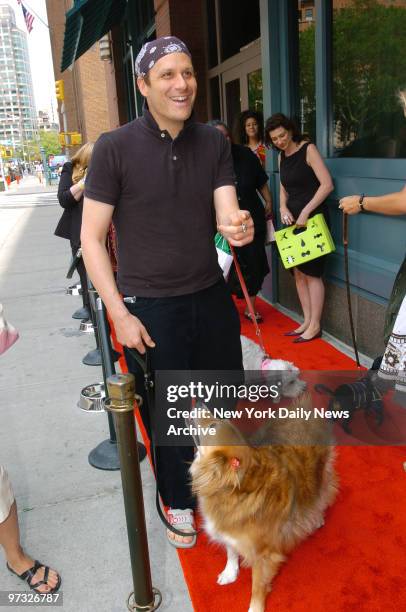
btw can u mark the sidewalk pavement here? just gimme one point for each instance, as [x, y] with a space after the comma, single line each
[28, 184]
[71, 515]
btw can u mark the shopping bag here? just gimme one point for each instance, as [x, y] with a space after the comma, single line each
[8, 333]
[224, 255]
[296, 245]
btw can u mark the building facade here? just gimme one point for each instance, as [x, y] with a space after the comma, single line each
[18, 117]
[91, 105]
[45, 123]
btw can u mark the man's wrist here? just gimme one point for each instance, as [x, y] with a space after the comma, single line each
[361, 202]
[119, 312]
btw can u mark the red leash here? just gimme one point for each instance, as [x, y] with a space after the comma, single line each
[247, 299]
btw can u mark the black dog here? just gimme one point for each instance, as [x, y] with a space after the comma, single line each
[360, 395]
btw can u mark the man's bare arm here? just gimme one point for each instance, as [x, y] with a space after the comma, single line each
[390, 204]
[234, 224]
[95, 224]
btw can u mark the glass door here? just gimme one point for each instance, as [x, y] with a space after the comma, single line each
[242, 89]
[232, 100]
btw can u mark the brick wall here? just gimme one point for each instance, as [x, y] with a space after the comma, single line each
[56, 18]
[90, 92]
[93, 93]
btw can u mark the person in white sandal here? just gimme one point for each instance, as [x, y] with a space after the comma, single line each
[167, 179]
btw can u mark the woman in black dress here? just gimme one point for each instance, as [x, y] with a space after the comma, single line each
[250, 178]
[305, 184]
[70, 195]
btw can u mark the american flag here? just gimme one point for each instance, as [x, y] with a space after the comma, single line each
[29, 19]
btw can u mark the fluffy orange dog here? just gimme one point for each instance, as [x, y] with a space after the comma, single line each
[260, 502]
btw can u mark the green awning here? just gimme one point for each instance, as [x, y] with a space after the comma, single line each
[86, 23]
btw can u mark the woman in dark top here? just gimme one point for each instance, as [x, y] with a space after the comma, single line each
[305, 184]
[70, 195]
[250, 132]
[250, 178]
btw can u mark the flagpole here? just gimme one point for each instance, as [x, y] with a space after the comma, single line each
[36, 15]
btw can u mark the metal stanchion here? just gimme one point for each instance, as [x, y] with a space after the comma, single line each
[94, 357]
[105, 456]
[121, 390]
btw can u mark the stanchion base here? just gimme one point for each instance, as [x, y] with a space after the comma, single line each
[105, 455]
[154, 605]
[81, 313]
[93, 358]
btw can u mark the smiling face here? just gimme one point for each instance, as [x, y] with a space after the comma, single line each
[170, 91]
[281, 138]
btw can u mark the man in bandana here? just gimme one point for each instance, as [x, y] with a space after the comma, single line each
[166, 181]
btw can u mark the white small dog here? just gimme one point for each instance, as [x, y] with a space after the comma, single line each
[254, 359]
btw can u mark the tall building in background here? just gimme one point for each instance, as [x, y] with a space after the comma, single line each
[18, 120]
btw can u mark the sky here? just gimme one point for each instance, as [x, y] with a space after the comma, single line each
[40, 53]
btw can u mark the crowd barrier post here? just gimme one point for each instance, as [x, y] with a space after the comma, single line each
[121, 391]
[105, 456]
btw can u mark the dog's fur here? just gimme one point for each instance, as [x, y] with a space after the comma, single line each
[254, 360]
[261, 502]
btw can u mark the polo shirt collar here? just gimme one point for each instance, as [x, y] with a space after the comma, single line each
[149, 121]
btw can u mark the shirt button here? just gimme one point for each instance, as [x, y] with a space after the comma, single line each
[162, 134]
[174, 158]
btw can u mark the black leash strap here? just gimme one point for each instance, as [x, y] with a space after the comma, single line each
[347, 284]
[149, 389]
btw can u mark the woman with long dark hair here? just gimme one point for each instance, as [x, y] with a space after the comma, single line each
[305, 183]
[250, 132]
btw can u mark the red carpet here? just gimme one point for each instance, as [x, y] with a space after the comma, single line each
[357, 561]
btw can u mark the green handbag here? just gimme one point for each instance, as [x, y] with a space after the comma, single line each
[296, 245]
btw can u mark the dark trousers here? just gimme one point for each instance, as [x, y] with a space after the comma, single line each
[200, 331]
[82, 275]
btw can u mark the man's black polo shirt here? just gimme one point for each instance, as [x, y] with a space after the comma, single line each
[162, 191]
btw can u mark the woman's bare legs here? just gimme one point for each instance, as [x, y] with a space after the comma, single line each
[316, 291]
[304, 298]
[16, 557]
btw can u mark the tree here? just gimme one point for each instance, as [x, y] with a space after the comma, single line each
[369, 68]
[48, 140]
[369, 74]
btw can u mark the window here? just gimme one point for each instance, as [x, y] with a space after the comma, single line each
[309, 15]
[239, 25]
[307, 77]
[255, 90]
[369, 78]
[212, 33]
[215, 98]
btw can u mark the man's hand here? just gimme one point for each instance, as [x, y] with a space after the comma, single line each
[240, 229]
[350, 205]
[131, 332]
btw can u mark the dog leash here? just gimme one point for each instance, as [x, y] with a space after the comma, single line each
[248, 301]
[149, 388]
[347, 284]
